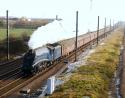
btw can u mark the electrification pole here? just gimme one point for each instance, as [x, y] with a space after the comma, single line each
[110, 24]
[105, 29]
[7, 30]
[56, 17]
[98, 32]
[76, 35]
[113, 25]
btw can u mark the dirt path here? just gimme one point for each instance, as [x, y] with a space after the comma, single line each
[122, 85]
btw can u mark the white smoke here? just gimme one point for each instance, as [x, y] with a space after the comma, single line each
[50, 33]
[53, 32]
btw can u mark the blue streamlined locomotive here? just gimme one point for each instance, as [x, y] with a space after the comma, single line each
[37, 59]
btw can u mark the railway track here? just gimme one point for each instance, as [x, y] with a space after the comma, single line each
[9, 79]
[22, 82]
[9, 73]
[9, 66]
[9, 62]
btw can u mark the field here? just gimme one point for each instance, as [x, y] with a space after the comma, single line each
[16, 33]
[17, 44]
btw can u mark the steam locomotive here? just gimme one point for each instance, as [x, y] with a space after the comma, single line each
[40, 58]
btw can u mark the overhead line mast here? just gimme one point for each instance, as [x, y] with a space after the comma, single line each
[91, 4]
[76, 35]
[7, 30]
[98, 31]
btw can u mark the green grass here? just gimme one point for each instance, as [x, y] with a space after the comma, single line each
[93, 80]
[17, 33]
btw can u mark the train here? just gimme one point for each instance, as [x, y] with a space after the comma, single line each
[36, 60]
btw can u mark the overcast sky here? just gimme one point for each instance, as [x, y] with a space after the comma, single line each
[65, 9]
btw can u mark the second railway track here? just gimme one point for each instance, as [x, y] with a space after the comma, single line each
[4, 68]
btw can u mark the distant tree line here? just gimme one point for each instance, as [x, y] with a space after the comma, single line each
[25, 23]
